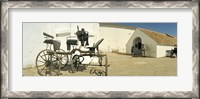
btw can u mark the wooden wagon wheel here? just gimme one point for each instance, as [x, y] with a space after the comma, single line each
[63, 57]
[48, 63]
[75, 64]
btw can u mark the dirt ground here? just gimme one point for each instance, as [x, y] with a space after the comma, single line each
[125, 65]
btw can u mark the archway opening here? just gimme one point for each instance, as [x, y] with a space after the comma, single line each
[137, 47]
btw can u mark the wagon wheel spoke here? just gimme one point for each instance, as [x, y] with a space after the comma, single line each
[55, 59]
[44, 61]
[55, 70]
[75, 64]
[63, 57]
[42, 57]
[45, 56]
[42, 69]
[46, 72]
[48, 57]
[40, 61]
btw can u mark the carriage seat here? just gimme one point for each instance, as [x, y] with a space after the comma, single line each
[56, 44]
[95, 46]
[71, 42]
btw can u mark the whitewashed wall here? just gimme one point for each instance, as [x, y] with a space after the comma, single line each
[33, 37]
[115, 38]
[33, 41]
[150, 43]
[161, 50]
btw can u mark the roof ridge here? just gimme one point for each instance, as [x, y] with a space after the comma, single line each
[150, 30]
[158, 32]
[160, 38]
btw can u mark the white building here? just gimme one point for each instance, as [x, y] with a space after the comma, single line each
[121, 39]
[156, 43]
[117, 38]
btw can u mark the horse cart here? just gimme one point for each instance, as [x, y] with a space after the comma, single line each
[51, 60]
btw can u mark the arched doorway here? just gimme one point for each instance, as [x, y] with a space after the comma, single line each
[137, 46]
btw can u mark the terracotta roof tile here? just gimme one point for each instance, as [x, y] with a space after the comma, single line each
[164, 39]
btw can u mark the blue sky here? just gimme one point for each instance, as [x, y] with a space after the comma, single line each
[169, 28]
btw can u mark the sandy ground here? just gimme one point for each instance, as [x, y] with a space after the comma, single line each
[125, 65]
